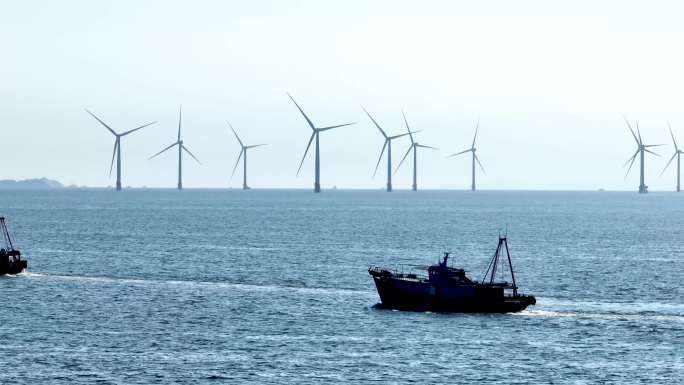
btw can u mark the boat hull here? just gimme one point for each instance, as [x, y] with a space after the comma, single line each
[13, 267]
[417, 295]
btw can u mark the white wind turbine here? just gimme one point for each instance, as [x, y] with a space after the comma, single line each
[472, 150]
[117, 147]
[388, 145]
[641, 150]
[243, 151]
[181, 148]
[414, 146]
[314, 134]
[676, 154]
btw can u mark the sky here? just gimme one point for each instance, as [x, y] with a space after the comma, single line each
[549, 82]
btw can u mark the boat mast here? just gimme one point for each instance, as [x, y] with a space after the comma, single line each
[510, 265]
[5, 233]
[493, 264]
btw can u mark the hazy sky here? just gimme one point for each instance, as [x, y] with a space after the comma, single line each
[549, 81]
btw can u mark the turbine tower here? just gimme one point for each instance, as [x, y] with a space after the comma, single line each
[641, 150]
[243, 150]
[414, 146]
[472, 149]
[181, 148]
[117, 147]
[314, 134]
[677, 154]
[388, 145]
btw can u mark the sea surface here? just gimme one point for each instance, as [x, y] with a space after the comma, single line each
[271, 287]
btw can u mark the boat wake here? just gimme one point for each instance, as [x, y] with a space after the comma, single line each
[23, 273]
[300, 288]
[608, 314]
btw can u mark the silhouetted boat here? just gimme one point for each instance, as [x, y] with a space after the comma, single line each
[448, 289]
[10, 258]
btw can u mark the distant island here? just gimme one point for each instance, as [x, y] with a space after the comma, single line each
[30, 184]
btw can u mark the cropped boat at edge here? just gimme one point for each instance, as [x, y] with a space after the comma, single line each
[448, 289]
[10, 258]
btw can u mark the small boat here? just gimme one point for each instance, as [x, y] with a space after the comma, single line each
[10, 258]
[448, 289]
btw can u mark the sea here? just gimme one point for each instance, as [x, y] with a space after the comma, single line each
[150, 286]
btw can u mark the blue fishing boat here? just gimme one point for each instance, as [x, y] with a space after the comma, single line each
[10, 258]
[449, 289]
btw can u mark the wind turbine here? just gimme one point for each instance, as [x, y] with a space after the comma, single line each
[677, 154]
[641, 149]
[388, 145]
[475, 158]
[414, 146]
[314, 134]
[181, 148]
[117, 147]
[243, 150]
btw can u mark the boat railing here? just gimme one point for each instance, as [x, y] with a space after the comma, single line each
[400, 270]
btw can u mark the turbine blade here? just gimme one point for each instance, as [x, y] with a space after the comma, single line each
[673, 138]
[424, 146]
[649, 151]
[376, 123]
[331, 127]
[478, 162]
[404, 158]
[407, 126]
[653, 145]
[305, 151]
[111, 166]
[137, 128]
[639, 133]
[236, 135]
[236, 163]
[631, 164]
[256, 145]
[630, 158]
[101, 122]
[164, 149]
[477, 127]
[190, 153]
[400, 135]
[630, 129]
[303, 114]
[180, 114]
[459, 153]
[668, 163]
[380, 157]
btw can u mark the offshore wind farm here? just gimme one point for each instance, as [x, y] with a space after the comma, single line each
[413, 146]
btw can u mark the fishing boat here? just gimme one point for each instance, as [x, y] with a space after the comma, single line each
[10, 258]
[449, 289]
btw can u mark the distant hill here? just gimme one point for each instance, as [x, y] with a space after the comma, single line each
[30, 184]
